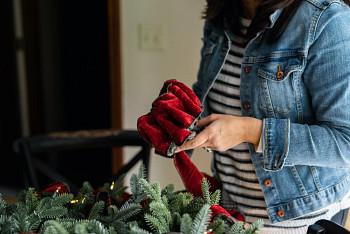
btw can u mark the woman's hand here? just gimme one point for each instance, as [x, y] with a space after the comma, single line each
[223, 132]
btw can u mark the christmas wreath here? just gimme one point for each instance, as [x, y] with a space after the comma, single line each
[111, 210]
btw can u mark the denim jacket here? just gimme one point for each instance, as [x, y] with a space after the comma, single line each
[300, 88]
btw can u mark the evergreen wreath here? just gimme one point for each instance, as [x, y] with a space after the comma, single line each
[110, 210]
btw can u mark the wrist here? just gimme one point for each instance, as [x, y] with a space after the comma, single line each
[253, 129]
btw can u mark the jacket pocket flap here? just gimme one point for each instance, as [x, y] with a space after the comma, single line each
[278, 68]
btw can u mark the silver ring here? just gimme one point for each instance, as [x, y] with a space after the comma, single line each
[208, 150]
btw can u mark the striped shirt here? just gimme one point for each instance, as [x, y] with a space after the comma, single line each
[241, 188]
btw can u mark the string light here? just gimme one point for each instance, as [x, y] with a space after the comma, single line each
[74, 201]
[112, 186]
[58, 189]
[83, 200]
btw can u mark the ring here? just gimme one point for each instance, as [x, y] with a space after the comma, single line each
[208, 150]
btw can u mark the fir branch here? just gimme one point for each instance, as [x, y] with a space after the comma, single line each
[96, 210]
[186, 224]
[62, 199]
[201, 221]
[80, 229]
[95, 226]
[160, 210]
[165, 201]
[2, 206]
[8, 224]
[142, 172]
[194, 207]
[43, 204]
[154, 223]
[31, 200]
[215, 197]
[254, 227]
[137, 230]
[87, 188]
[169, 189]
[111, 230]
[53, 213]
[55, 226]
[136, 189]
[176, 221]
[205, 190]
[153, 192]
[218, 226]
[157, 190]
[236, 228]
[187, 198]
[118, 189]
[127, 211]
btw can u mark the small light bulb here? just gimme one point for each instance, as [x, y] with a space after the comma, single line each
[58, 189]
[74, 201]
[112, 186]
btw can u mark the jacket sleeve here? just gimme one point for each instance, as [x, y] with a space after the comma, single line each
[327, 78]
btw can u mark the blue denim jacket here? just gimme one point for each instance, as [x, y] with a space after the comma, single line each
[300, 88]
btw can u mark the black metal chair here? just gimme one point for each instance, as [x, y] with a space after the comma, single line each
[326, 227]
[28, 147]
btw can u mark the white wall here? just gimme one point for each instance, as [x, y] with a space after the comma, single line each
[145, 71]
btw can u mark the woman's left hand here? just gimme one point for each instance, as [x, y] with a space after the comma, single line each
[223, 132]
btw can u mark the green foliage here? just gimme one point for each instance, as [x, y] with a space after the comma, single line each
[127, 211]
[254, 227]
[205, 191]
[136, 188]
[202, 220]
[237, 228]
[218, 226]
[211, 199]
[186, 224]
[215, 198]
[153, 191]
[96, 210]
[163, 211]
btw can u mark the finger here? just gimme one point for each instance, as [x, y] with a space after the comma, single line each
[206, 121]
[200, 139]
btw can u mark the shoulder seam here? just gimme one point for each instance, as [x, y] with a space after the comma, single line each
[316, 17]
[322, 4]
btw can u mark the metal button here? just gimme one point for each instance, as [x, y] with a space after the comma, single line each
[246, 105]
[208, 84]
[267, 183]
[279, 75]
[223, 52]
[247, 69]
[280, 213]
[260, 36]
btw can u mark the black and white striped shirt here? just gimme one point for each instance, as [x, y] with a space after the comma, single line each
[241, 188]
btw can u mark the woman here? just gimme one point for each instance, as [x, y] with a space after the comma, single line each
[275, 80]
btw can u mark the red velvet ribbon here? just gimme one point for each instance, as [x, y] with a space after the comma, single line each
[60, 187]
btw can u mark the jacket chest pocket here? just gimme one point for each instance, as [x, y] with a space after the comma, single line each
[279, 82]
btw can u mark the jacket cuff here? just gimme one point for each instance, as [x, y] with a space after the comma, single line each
[275, 143]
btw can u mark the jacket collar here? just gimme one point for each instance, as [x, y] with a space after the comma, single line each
[273, 18]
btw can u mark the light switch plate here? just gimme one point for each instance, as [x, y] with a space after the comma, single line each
[152, 36]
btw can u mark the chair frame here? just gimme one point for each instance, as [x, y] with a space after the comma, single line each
[28, 147]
